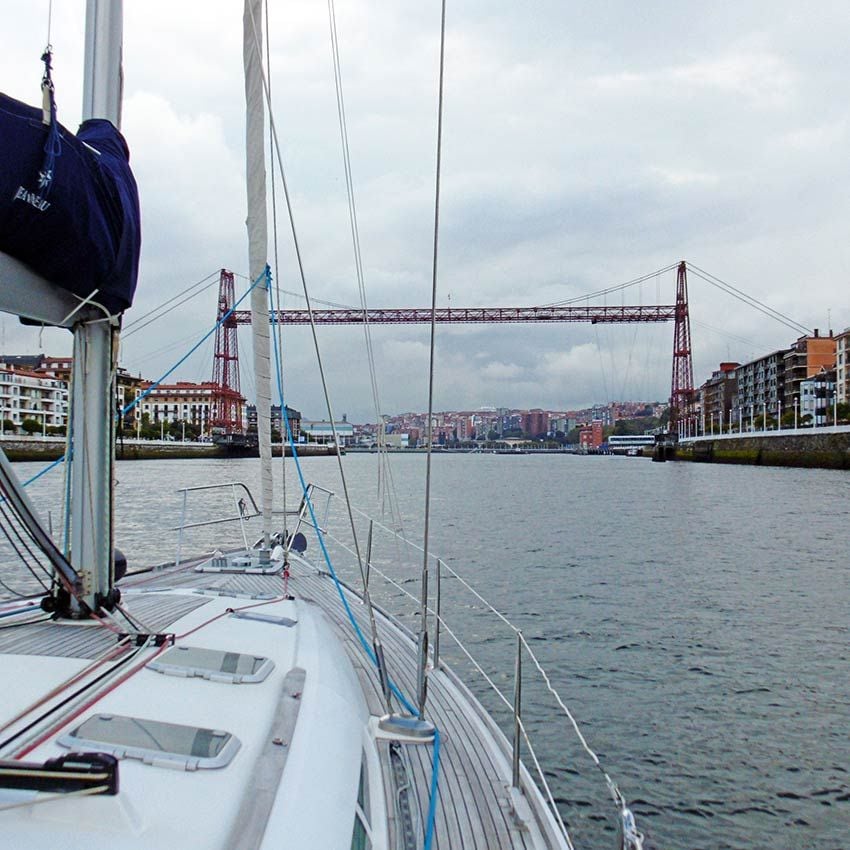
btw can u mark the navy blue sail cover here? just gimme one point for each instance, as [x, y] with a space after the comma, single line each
[79, 226]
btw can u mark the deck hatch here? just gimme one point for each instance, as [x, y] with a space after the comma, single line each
[154, 742]
[214, 664]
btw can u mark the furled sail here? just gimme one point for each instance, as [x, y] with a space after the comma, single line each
[79, 226]
[258, 243]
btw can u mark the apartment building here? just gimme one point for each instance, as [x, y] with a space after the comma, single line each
[180, 402]
[842, 366]
[293, 416]
[761, 385]
[28, 395]
[817, 397]
[806, 357]
[718, 394]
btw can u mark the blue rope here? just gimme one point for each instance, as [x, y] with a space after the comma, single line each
[325, 554]
[432, 804]
[44, 471]
[128, 407]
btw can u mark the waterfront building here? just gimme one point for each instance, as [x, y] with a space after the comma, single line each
[817, 397]
[535, 423]
[807, 356]
[717, 395]
[180, 402]
[842, 366]
[591, 436]
[292, 415]
[322, 432]
[28, 395]
[603, 413]
[760, 386]
[564, 424]
[127, 386]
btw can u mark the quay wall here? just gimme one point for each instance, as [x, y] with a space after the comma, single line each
[826, 449]
[52, 448]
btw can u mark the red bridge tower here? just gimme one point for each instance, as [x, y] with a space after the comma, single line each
[226, 407]
[682, 392]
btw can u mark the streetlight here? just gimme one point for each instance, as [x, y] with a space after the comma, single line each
[778, 415]
[162, 430]
[796, 403]
[740, 421]
[764, 416]
[753, 417]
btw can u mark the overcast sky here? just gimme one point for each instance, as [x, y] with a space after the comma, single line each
[585, 144]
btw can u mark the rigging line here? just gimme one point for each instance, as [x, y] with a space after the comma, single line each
[62, 722]
[49, 21]
[320, 536]
[17, 595]
[137, 327]
[383, 458]
[352, 206]
[130, 405]
[615, 288]
[743, 296]
[168, 301]
[27, 622]
[612, 786]
[166, 348]
[297, 247]
[24, 544]
[70, 698]
[550, 799]
[429, 427]
[122, 646]
[300, 295]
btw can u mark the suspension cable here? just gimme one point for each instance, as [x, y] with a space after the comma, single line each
[616, 288]
[729, 289]
[132, 327]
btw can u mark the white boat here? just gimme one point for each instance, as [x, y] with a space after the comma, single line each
[243, 700]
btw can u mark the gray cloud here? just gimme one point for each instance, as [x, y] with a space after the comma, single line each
[584, 145]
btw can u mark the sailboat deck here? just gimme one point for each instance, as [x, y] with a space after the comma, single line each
[474, 808]
[475, 804]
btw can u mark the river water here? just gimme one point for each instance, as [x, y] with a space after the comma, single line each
[695, 619]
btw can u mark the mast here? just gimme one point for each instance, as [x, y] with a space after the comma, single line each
[258, 244]
[92, 402]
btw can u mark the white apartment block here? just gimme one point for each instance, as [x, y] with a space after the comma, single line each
[180, 402]
[24, 395]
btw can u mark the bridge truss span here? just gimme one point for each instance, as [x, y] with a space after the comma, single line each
[473, 315]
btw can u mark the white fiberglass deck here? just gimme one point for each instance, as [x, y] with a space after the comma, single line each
[324, 695]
